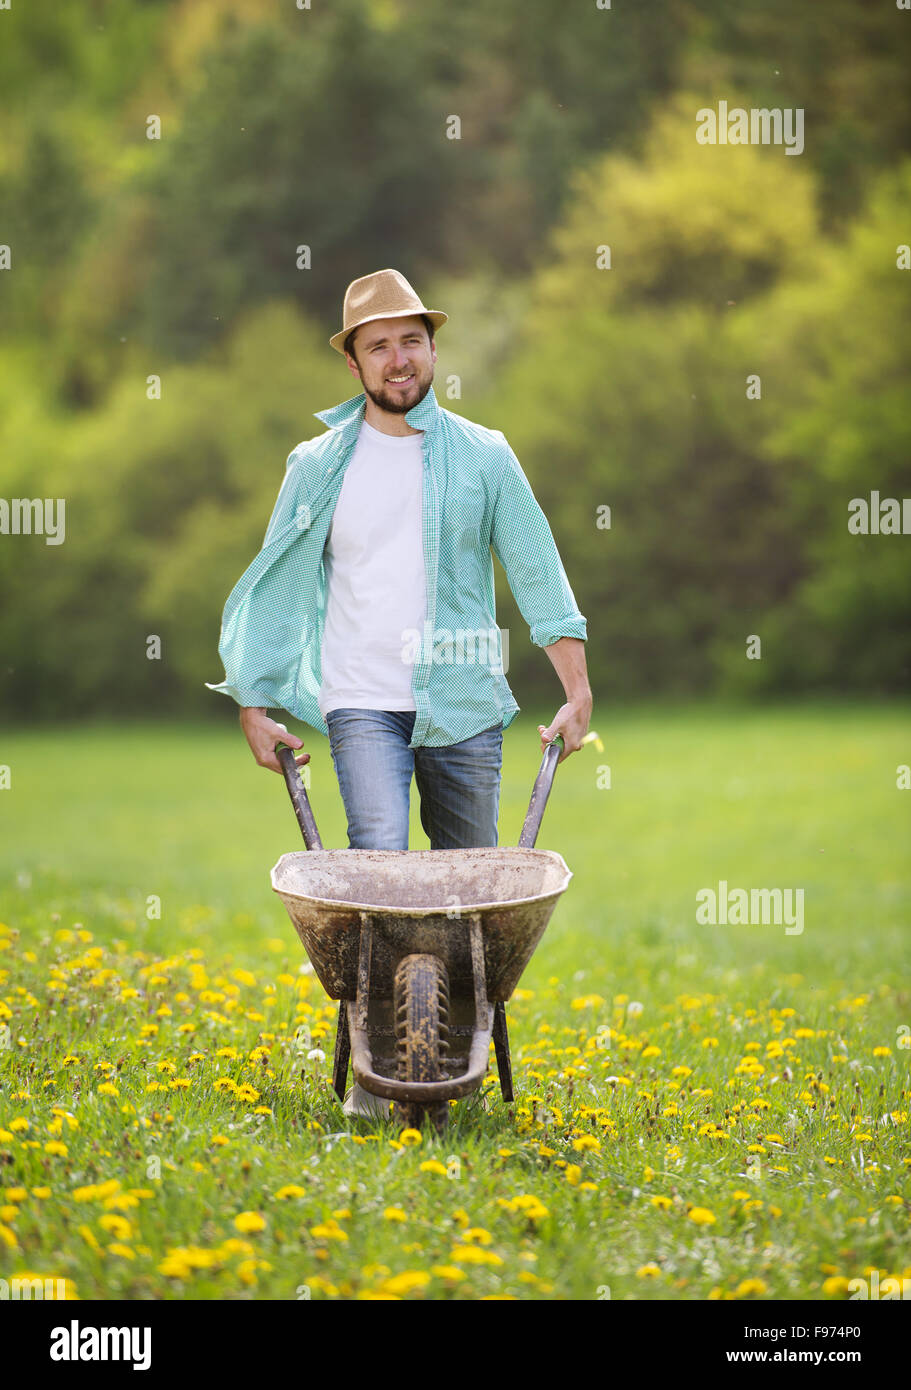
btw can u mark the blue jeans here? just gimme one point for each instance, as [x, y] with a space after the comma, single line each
[459, 785]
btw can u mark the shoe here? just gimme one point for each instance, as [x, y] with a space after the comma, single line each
[361, 1102]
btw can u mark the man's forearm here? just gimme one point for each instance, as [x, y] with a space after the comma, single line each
[567, 656]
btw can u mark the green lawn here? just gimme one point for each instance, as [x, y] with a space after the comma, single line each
[692, 1099]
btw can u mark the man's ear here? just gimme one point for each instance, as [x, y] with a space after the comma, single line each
[352, 366]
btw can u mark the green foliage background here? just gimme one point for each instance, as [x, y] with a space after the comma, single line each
[626, 387]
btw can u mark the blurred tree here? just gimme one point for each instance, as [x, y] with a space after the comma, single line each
[333, 141]
[623, 393]
[833, 350]
[847, 67]
[166, 503]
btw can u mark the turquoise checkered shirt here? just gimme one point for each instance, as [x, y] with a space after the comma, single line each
[475, 497]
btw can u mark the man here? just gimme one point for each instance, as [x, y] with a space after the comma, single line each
[375, 583]
[369, 612]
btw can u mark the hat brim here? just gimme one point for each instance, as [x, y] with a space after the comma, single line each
[436, 316]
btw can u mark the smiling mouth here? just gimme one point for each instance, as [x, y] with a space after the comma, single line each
[400, 381]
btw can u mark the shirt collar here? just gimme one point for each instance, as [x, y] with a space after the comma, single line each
[423, 416]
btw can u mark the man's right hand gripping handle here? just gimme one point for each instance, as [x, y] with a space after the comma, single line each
[263, 733]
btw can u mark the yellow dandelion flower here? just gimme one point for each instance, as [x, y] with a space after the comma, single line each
[410, 1138]
[116, 1226]
[749, 1288]
[451, 1273]
[121, 1201]
[124, 1251]
[328, 1230]
[662, 1203]
[573, 1174]
[290, 1190]
[394, 1214]
[246, 1270]
[234, 1246]
[473, 1255]
[649, 1271]
[702, 1216]
[407, 1282]
[587, 1001]
[249, 1221]
[836, 1286]
[433, 1165]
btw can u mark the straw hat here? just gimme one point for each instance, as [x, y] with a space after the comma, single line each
[383, 295]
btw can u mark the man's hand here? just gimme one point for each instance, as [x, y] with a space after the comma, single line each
[571, 720]
[263, 733]
[567, 657]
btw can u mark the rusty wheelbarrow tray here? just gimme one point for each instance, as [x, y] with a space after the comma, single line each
[422, 949]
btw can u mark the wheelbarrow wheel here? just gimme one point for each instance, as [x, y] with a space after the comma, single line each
[421, 999]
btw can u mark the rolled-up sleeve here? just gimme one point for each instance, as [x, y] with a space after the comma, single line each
[523, 543]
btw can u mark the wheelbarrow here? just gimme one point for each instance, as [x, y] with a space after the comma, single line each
[422, 949]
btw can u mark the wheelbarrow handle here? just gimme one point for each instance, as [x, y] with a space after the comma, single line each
[298, 794]
[540, 792]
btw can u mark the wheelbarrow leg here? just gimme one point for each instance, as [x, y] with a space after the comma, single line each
[342, 1051]
[501, 1045]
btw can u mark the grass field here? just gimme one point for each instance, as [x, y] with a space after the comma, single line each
[702, 1111]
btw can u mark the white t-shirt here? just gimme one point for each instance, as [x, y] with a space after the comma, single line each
[376, 588]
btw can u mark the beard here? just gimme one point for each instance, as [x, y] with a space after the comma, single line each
[399, 402]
